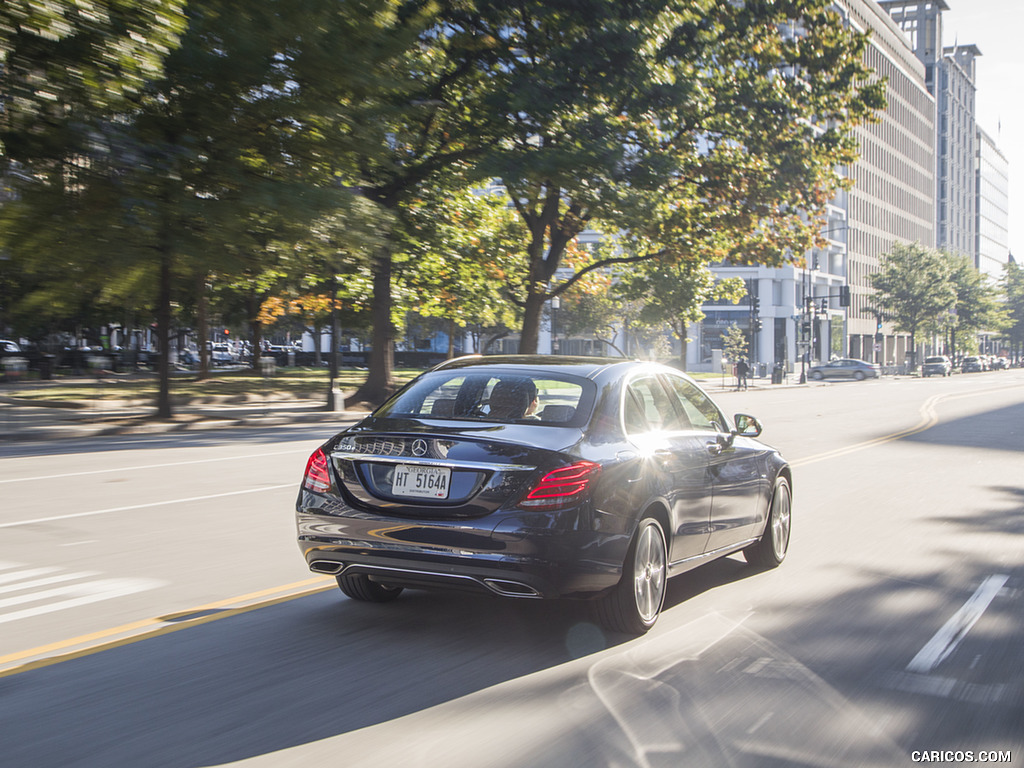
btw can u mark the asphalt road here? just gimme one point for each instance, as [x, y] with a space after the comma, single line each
[154, 611]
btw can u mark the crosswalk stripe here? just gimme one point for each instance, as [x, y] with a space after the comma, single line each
[78, 594]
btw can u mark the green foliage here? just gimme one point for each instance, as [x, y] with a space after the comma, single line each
[1013, 287]
[63, 61]
[697, 130]
[152, 156]
[674, 292]
[914, 288]
[463, 259]
[734, 343]
[978, 305]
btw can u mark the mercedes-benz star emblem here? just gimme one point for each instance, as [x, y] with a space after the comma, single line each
[419, 447]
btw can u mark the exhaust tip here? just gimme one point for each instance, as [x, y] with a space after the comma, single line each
[329, 567]
[511, 588]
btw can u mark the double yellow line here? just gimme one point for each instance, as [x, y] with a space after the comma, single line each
[929, 418]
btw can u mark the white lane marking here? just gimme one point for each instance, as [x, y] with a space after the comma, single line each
[38, 478]
[77, 594]
[32, 583]
[147, 506]
[4, 578]
[953, 631]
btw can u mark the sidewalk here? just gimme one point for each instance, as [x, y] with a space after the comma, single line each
[24, 420]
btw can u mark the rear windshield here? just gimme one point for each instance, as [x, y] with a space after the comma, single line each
[935, 359]
[494, 396]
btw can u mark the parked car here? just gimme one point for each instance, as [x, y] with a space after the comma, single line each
[937, 365]
[845, 368]
[543, 477]
[1000, 363]
[972, 364]
[221, 354]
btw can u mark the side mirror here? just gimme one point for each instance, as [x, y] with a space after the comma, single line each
[746, 425]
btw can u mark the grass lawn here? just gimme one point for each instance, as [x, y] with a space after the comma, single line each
[300, 383]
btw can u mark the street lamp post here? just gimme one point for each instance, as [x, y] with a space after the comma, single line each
[555, 304]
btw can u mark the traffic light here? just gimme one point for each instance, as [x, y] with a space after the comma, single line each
[756, 309]
[757, 324]
[824, 304]
[844, 295]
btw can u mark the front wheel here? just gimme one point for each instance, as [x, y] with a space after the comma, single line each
[770, 550]
[635, 604]
[359, 587]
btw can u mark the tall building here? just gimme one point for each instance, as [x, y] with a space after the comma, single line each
[892, 199]
[951, 78]
[993, 201]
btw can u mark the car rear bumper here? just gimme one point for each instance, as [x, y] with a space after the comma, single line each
[512, 557]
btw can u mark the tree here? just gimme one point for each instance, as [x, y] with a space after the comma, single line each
[673, 293]
[1013, 287]
[414, 115]
[462, 258]
[62, 61]
[691, 128]
[734, 343]
[913, 288]
[198, 169]
[977, 304]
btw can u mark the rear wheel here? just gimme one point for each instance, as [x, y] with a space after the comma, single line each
[359, 587]
[859, 375]
[771, 548]
[635, 603]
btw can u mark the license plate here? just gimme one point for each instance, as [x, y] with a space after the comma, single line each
[421, 482]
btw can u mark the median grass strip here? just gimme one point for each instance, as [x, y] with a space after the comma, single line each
[221, 386]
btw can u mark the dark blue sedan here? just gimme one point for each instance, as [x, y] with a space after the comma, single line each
[543, 477]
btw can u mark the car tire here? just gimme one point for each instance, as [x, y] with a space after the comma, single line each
[635, 603]
[359, 587]
[770, 550]
[859, 375]
[817, 375]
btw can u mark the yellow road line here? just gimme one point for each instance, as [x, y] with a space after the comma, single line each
[95, 642]
[929, 418]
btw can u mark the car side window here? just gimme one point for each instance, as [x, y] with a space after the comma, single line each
[699, 410]
[652, 403]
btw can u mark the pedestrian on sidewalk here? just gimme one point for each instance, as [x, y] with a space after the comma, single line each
[742, 372]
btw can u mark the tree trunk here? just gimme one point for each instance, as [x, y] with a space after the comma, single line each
[682, 345]
[451, 339]
[202, 322]
[332, 404]
[163, 334]
[530, 334]
[255, 330]
[379, 382]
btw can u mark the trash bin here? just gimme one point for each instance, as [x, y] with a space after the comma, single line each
[14, 368]
[46, 367]
[777, 373]
[268, 366]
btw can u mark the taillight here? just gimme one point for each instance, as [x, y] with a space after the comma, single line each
[562, 487]
[318, 476]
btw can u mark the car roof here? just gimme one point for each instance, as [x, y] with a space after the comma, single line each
[585, 367]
